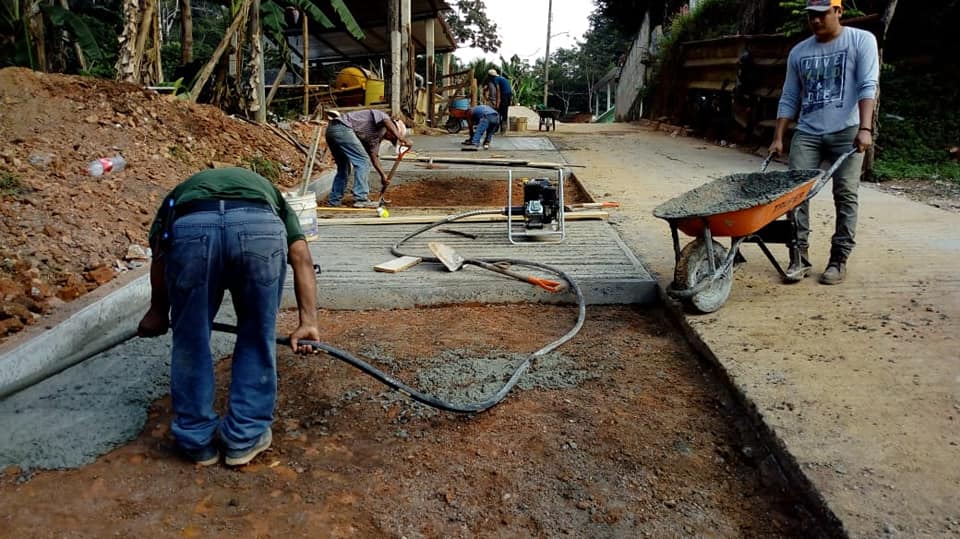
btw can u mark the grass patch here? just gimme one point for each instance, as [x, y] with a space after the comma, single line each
[179, 153]
[918, 122]
[263, 166]
[11, 185]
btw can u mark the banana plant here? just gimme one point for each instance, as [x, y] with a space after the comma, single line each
[64, 19]
[272, 17]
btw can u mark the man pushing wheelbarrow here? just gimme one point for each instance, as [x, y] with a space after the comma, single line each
[831, 83]
[832, 80]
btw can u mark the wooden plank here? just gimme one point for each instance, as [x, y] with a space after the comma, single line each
[586, 215]
[398, 264]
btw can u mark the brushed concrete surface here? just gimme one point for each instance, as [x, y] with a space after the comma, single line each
[592, 253]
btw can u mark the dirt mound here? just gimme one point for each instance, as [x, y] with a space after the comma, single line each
[63, 232]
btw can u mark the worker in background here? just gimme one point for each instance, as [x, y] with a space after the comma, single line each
[226, 229]
[831, 84]
[501, 94]
[483, 122]
[354, 139]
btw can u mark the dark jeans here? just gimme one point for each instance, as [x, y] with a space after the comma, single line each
[243, 250]
[347, 151]
[810, 151]
[503, 110]
[487, 125]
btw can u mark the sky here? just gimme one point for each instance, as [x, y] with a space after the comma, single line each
[522, 25]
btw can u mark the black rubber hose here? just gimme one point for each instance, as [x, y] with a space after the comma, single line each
[469, 408]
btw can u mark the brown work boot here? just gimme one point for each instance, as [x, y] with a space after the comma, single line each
[799, 265]
[835, 273]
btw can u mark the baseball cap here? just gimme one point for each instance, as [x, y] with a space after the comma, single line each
[823, 5]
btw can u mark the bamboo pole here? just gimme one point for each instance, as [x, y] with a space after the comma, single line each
[209, 66]
[431, 71]
[306, 65]
[276, 84]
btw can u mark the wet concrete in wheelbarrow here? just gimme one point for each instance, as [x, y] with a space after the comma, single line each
[734, 192]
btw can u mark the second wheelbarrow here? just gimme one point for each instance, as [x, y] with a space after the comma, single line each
[744, 207]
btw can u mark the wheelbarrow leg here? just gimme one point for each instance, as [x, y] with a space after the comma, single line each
[708, 238]
[676, 243]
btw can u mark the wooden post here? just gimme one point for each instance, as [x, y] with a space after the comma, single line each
[256, 50]
[407, 94]
[431, 71]
[393, 21]
[155, 52]
[446, 73]
[306, 65]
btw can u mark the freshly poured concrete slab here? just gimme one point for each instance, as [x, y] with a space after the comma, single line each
[509, 143]
[95, 406]
[592, 254]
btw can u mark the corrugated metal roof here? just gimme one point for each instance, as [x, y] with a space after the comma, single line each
[336, 44]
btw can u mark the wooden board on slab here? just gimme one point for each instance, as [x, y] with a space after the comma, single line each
[398, 264]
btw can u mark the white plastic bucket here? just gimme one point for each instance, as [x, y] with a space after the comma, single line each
[305, 206]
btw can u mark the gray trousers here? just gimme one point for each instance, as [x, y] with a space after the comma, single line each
[809, 151]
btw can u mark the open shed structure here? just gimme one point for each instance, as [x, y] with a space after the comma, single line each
[394, 31]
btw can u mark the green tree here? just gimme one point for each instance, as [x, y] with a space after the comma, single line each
[470, 25]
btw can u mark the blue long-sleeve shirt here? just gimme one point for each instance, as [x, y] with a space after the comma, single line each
[826, 81]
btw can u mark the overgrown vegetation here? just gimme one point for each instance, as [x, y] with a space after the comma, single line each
[918, 122]
[710, 19]
[263, 166]
[797, 21]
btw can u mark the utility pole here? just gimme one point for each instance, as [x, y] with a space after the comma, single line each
[546, 59]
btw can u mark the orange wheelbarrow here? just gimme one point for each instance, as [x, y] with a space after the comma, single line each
[744, 207]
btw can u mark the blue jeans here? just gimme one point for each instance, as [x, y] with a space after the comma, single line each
[809, 151]
[243, 250]
[488, 125]
[347, 150]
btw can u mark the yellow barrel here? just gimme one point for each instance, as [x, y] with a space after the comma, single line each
[374, 92]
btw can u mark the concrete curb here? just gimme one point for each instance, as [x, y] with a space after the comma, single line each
[95, 328]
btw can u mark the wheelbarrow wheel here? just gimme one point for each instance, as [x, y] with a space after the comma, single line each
[694, 267]
[452, 125]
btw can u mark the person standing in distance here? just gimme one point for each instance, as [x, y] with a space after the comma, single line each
[354, 140]
[501, 94]
[831, 85]
[226, 229]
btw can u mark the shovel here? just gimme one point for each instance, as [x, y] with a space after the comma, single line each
[453, 261]
[402, 150]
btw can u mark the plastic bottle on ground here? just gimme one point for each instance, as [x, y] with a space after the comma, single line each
[99, 167]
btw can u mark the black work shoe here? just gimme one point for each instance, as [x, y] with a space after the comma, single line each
[799, 267]
[835, 273]
[239, 458]
[205, 456]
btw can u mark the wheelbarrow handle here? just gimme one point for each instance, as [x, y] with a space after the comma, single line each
[829, 173]
[766, 162]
